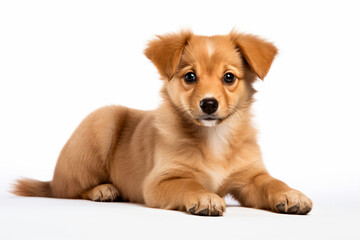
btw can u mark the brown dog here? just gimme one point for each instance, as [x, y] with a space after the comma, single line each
[198, 146]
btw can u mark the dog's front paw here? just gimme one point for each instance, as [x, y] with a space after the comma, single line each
[292, 202]
[206, 204]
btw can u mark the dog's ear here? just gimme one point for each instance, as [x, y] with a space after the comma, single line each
[165, 52]
[257, 52]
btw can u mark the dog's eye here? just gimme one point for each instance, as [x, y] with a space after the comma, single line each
[190, 77]
[229, 78]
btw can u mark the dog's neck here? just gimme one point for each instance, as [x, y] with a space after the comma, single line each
[218, 137]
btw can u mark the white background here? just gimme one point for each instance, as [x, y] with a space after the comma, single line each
[60, 60]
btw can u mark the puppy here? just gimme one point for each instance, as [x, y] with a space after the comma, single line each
[198, 146]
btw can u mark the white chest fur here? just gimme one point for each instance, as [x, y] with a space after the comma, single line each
[218, 138]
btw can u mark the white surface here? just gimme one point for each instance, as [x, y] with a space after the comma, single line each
[60, 60]
[41, 218]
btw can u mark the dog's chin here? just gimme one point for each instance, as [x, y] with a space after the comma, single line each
[209, 123]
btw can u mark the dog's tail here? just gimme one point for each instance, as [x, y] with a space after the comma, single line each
[32, 188]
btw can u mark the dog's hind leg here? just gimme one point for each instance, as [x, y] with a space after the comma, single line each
[83, 165]
[102, 193]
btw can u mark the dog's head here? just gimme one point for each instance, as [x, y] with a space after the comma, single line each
[210, 79]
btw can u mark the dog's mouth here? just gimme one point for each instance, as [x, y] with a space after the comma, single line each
[209, 120]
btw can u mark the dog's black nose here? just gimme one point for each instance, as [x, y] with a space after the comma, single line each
[209, 105]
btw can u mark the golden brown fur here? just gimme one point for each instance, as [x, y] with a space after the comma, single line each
[172, 157]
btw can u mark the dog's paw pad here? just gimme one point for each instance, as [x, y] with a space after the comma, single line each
[293, 209]
[203, 212]
[281, 207]
[208, 204]
[305, 210]
[293, 202]
[192, 210]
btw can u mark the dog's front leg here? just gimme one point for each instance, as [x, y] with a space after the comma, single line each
[256, 188]
[181, 191]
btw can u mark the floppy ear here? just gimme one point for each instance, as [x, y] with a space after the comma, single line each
[165, 52]
[258, 53]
